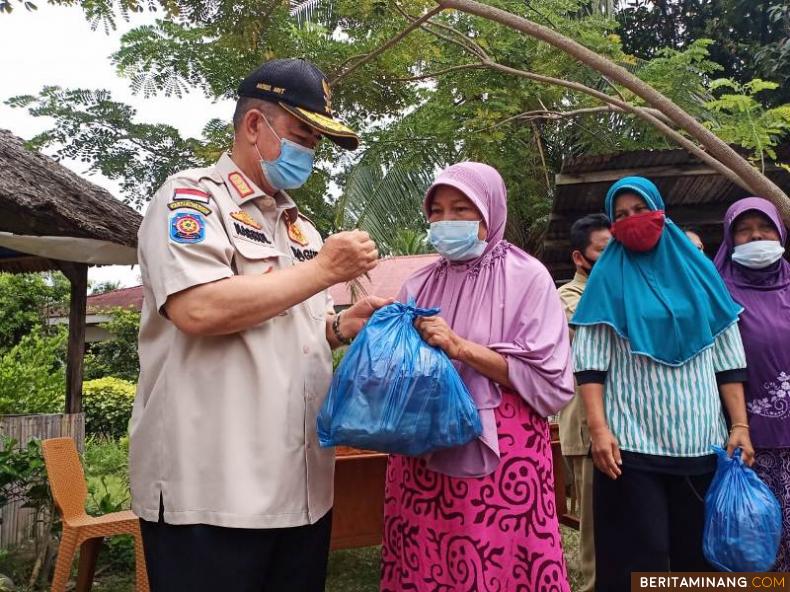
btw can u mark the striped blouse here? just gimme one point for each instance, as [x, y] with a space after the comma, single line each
[657, 409]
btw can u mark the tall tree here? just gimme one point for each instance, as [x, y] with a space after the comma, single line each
[751, 38]
[419, 105]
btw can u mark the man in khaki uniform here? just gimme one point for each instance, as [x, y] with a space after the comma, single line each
[589, 237]
[233, 491]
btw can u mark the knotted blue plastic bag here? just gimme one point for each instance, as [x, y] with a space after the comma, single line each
[395, 393]
[743, 519]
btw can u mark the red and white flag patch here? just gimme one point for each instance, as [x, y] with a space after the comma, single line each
[191, 194]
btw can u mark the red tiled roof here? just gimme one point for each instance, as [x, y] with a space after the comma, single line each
[121, 298]
[385, 281]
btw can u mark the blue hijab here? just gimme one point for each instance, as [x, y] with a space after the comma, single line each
[669, 303]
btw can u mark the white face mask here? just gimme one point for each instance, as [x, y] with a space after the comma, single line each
[758, 254]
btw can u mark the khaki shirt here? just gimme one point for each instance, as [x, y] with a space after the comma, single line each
[224, 427]
[574, 435]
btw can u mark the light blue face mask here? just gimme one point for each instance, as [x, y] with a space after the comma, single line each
[292, 168]
[457, 240]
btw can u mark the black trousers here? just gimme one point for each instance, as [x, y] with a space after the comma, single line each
[203, 558]
[647, 521]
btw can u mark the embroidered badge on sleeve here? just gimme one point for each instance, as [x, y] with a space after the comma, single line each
[187, 228]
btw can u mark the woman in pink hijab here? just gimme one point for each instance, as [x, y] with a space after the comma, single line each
[481, 517]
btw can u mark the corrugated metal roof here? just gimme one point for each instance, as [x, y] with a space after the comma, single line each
[694, 194]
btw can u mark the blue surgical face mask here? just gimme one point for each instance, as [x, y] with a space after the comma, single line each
[292, 168]
[457, 240]
[758, 254]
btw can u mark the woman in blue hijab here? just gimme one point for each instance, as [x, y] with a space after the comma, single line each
[656, 350]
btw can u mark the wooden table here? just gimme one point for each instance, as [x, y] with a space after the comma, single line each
[359, 495]
[359, 498]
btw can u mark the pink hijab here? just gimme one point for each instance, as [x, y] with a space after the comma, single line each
[505, 300]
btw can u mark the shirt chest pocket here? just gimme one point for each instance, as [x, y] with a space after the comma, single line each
[256, 259]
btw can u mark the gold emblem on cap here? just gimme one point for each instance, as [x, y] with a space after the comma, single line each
[327, 97]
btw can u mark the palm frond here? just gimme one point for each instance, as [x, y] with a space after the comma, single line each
[311, 10]
[385, 199]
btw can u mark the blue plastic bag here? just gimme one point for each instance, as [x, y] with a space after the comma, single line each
[743, 519]
[395, 393]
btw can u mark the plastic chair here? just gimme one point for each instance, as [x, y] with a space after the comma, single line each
[69, 491]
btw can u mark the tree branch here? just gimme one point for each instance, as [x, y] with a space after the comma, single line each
[614, 88]
[727, 162]
[539, 142]
[471, 43]
[638, 111]
[652, 116]
[752, 179]
[442, 72]
[550, 114]
[554, 115]
[463, 41]
[393, 41]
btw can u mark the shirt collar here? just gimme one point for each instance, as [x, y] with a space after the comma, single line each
[580, 278]
[240, 186]
[242, 190]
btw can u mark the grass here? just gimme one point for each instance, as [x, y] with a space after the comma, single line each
[350, 570]
[570, 543]
[357, 570]
[353, 570]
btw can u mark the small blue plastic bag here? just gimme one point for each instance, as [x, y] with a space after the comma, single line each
[743, 519]
[395, 393]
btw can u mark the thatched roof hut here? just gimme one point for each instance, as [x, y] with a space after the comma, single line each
[695, 195]
[63, 216]
[51, 218]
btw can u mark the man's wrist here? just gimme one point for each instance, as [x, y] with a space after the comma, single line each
[342, 337]
[322, 275]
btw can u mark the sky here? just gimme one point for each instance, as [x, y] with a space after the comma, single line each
[56, 46]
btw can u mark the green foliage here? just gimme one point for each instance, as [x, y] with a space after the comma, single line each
[411, 242]
[22, 474]
[741, 119]
[410, 127]
[106, 457]
[116, 356]
[103, 287]
[337, 356]
[683, 75]
[33, 375]
[24, 297]
[107, 403]
[106, 470]
[89, 126]
[774, 57]
[386, 202]
[749, 38]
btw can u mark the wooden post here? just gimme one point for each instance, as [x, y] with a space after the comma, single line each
[78, 276]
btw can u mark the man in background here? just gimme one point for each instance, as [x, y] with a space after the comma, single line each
[589, 237]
